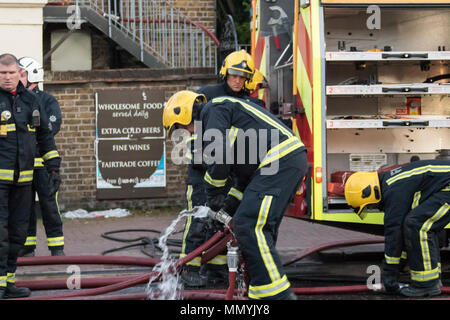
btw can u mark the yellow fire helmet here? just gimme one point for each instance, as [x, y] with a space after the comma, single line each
[257, 79]
[238, 63]
[362, 189]
[179, 108]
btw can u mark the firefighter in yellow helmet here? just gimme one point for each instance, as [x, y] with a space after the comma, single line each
[235, 75]
[263, 186]
[237, 70]
[416, 203]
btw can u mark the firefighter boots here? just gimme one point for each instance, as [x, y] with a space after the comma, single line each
[418, 292]
[12, 292]
[57, 252]
[192, 277]
[24, 252]
[217, 275]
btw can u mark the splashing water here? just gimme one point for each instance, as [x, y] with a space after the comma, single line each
[169, 287]
[240, 283]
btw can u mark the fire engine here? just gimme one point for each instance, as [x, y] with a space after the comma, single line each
[364, 83]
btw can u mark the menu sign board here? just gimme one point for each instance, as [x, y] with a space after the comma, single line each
[130, 144]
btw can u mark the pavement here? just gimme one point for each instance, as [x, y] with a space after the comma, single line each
[83, 236]
[296, 237]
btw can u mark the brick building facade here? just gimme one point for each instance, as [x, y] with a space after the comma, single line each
[75, 91]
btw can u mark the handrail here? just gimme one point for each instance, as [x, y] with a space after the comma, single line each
[158, 28]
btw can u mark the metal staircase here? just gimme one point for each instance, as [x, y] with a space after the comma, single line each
[153, 31]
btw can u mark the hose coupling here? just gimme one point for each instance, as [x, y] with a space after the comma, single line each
[220, 216]
[232, 258]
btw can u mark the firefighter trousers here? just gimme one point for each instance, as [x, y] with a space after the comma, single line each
[420, 229]
[256, 224]
[15, 204]
[199, 230]
[51, 217]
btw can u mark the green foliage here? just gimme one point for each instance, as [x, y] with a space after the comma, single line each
[240, 10]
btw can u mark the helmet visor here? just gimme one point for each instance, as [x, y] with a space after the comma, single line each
[239, 72]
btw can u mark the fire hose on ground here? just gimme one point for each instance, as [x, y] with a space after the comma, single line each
[98, 288]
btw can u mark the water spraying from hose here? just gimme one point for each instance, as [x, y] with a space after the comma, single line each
[165, 284]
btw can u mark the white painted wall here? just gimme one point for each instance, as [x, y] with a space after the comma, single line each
[21, 27]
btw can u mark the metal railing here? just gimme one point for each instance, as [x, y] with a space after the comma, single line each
[161, 29]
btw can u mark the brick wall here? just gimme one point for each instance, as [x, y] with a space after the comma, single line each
[201, 11]
[75, 142]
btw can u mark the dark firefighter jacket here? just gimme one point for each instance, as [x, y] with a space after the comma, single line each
[251, 139]
[18, 145]
[403, 189]
[196, 171]
[53, 112]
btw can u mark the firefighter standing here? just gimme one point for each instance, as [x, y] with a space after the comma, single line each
[265, 183]
[416, 202]
[23, 125]
[32, 74]
[236, 76]
[235, 80]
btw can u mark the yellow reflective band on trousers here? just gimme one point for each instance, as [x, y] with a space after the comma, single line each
[395, 260]
[186, 231]
[10, 277]
[423, 236]
[262, 243]
[196, 262]
[30, 241]
[2, 281]
[426, 275]
[416, 171]
[218, 260]
[269, 290]
[280, 150]
[189, 191]
[447, 188]
[25, 176]
[235, 193]
[56, 241]
[214, 182]
[278, 283]
[391, 260]
[7, 175]
[50, 155]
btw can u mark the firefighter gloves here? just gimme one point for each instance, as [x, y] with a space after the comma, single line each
[216, 202]
[54, 181]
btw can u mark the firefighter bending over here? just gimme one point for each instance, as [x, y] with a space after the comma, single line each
[416, 202]
[265, 183]
[236, 80]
